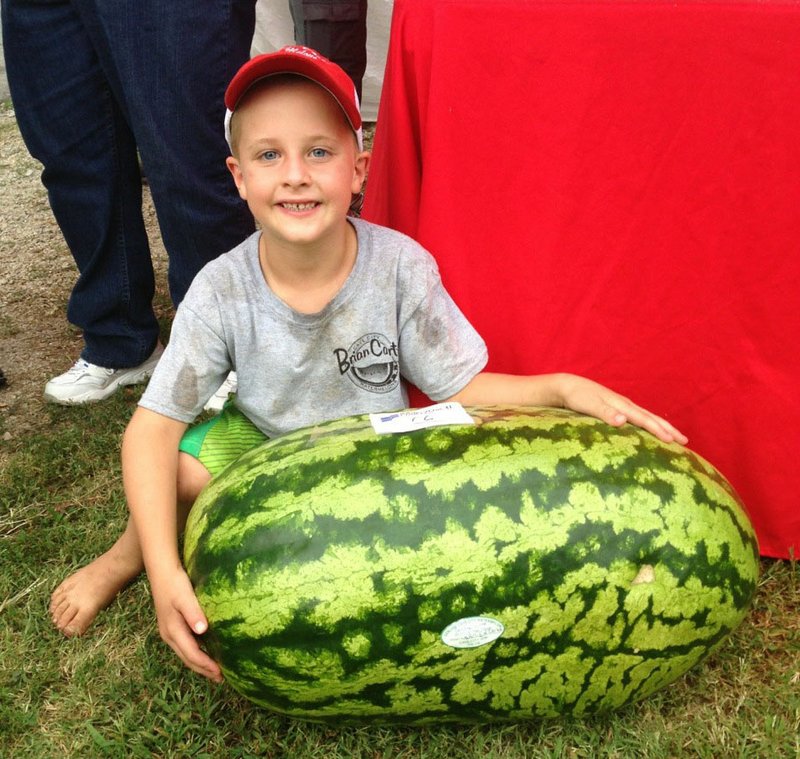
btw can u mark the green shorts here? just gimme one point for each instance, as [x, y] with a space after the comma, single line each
[221, 440]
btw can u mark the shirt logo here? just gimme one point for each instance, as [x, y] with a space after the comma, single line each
[371, 363]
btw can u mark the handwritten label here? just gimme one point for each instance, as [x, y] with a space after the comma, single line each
[438, 415]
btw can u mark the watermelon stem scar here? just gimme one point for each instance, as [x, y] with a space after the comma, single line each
[646, 574]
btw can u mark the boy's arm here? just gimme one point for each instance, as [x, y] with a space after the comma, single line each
[150, 474]
[567, 391]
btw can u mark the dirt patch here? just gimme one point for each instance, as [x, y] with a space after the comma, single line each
[36, 276]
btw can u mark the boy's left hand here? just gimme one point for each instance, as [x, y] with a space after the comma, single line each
[588, 397]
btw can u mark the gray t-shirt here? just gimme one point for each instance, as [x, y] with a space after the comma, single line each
[391, 320]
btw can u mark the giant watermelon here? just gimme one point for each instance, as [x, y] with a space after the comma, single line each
[535, 564]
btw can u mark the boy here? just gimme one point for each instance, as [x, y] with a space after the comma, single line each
[320, 315]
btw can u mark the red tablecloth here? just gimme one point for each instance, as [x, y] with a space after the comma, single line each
[613, 189]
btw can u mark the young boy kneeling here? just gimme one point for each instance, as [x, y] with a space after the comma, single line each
[321, 316]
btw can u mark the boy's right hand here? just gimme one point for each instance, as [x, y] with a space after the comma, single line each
[180, 618]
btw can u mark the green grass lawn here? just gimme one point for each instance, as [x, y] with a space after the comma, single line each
[119, 691]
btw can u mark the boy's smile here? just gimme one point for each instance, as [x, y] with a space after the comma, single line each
[297, 165]
[298, 207]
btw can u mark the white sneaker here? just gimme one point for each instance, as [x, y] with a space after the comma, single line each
[217, 401]
[87, 383]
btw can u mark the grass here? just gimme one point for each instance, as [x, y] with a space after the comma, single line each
[120, 692]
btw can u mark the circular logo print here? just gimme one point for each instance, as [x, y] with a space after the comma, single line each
[371, 363]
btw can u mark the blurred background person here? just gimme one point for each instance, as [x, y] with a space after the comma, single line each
[98, 85]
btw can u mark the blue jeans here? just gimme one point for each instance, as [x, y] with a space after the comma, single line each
[96, 82]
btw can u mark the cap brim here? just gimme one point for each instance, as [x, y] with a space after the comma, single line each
[334, 80]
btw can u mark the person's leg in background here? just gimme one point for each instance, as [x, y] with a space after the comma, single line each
[71, 123]
[173, 96]
[180, 131]
[335, 28]
[93, 81]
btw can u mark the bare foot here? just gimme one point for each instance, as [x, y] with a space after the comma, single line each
[77, 600]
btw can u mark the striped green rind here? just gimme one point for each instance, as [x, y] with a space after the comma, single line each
[329, 561]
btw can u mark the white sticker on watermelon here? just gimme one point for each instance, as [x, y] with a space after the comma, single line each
[471, 632]
[438, 415]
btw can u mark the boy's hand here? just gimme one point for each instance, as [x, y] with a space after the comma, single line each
[567, 390]
[588, 397]
[179, 619]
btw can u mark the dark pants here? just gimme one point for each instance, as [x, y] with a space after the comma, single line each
[335, 28]
[96, 82]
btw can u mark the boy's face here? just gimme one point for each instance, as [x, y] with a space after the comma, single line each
[296, 162]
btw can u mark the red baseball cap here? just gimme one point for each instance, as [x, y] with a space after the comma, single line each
[303, 61]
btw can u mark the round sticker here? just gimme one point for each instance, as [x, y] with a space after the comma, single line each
[471, 632]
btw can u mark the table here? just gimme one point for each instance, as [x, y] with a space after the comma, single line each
[613, 189]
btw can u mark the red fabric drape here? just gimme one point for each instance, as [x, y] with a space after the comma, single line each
[613, 189]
